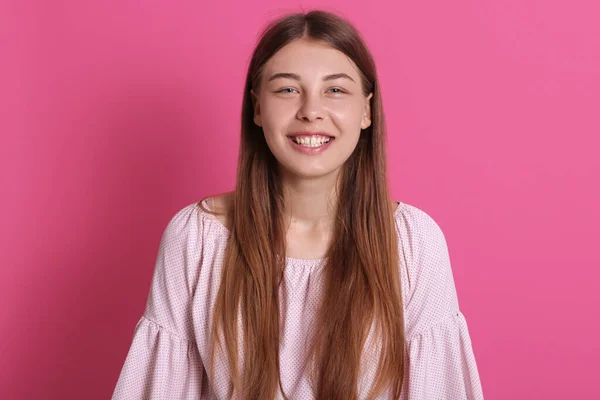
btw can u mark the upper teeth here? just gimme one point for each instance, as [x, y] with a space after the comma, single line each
[311, 141]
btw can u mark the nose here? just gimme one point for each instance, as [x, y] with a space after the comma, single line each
[310, 109]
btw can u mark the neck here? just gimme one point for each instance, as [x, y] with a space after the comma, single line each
[309, 204]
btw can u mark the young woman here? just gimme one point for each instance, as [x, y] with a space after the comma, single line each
[306, 281]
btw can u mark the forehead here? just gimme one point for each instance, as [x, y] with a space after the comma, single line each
[310, 58]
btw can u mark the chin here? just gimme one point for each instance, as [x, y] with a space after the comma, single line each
[306, 172]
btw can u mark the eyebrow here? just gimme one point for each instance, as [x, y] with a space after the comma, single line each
[296, 77]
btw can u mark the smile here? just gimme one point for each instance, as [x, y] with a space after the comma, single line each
[310, 146]
[312, 141]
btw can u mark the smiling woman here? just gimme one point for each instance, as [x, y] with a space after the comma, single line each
[307, 281]
[309, 81]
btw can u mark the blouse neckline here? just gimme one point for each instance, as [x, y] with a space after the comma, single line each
[289, 260]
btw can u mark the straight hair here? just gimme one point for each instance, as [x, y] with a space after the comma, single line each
[362, 288]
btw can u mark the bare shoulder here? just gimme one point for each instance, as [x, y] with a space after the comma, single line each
[219, 204]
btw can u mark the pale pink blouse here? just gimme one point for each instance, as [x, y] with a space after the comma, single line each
[168, 355]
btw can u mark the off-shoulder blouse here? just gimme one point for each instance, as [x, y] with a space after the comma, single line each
[169, 350]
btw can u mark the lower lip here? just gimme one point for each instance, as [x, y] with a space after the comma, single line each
[310, 150]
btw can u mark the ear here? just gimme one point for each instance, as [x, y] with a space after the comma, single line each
[366, 118]
[256, 107]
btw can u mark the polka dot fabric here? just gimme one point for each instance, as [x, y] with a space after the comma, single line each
[168, 355]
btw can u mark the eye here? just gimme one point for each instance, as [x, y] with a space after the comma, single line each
[284, 90]
[288, 90]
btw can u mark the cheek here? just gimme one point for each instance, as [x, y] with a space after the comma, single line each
[276, 115]
[348, 114]
[274, 121]
[276, 112]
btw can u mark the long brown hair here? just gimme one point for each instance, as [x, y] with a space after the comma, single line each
[361, 280]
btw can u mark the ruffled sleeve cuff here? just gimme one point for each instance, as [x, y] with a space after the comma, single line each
[441, 362]
[159, 365]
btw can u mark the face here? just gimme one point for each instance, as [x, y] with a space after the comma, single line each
[320, 91]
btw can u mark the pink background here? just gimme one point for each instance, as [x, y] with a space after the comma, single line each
[116, 114]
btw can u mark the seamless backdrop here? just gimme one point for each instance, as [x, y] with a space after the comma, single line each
[116, 114]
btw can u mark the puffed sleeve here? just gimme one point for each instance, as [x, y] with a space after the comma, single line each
[163, 360]
[440, 358]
